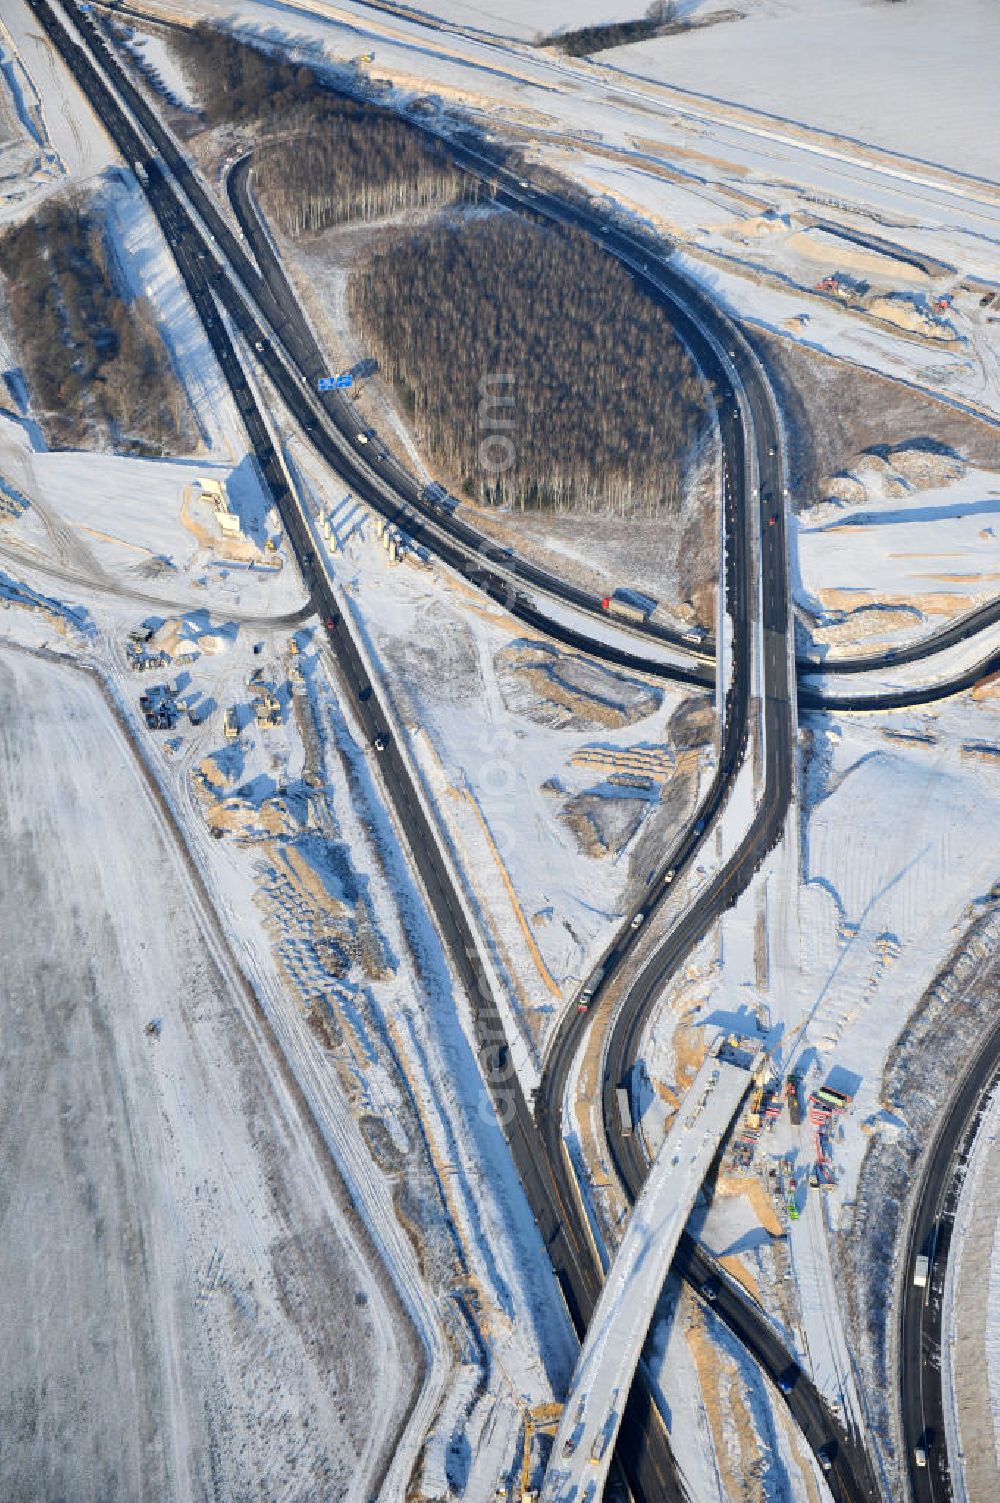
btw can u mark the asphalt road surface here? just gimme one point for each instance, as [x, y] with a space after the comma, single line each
[556, 1210]
[650, 1465]
[921, 1309]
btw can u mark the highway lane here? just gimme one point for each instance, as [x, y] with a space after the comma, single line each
[850, 1477]
[427, 521]
[651, 1471]
[811, 697]
[330, 421]
[733, 747]
[921, 1310]
[221, 285]
[264, 281]
[647, 1452]
[554, 1217]
[852, 1480]
[279, 309]
[645, 1455]
[959, 630]
[287, 321]
[851, 1473]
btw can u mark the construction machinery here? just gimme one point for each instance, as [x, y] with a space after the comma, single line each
[267, 708]
[825, 1105]
[792, 1097]
[542, 1420]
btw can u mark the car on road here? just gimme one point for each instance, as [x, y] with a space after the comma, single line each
[638, 920]
[365, 693]
[788, 1379]
[710, 1289]
[826, 1455]
[381, 741]
[699, 826]
[331, 622]
[669, 875]
[920, 1455]
[361, 438]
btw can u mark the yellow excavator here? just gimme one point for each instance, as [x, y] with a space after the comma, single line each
[542, 1420]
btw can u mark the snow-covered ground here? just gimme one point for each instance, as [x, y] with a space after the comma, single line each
[186, 1291]
[523, 19]
[325, 919]
[67, 141]
[892, 868]
[555, 779]
[286, 827]
[904, 537]
[836, 941]
[160, 65]
[140, 529]
[917, 79]
[764, 207]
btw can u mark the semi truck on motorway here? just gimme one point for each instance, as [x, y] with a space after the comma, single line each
[625, 609]
[589, 987]
[624, 1111]
[921, 1270]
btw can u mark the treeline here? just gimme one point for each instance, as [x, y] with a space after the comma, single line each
[92, 359]
[345, 168]
[534, 371]
[329, 160]
[662, 14]
[239, 84]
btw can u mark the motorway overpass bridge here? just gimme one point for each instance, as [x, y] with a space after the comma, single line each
[585, 1441]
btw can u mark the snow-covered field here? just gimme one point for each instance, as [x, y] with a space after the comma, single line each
[891, 870]
[324, 918]
[523, 19]
[185, 1291]
[139, 529]
[915, 78]
[287, 830]
[774, 178]
[54, 119]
